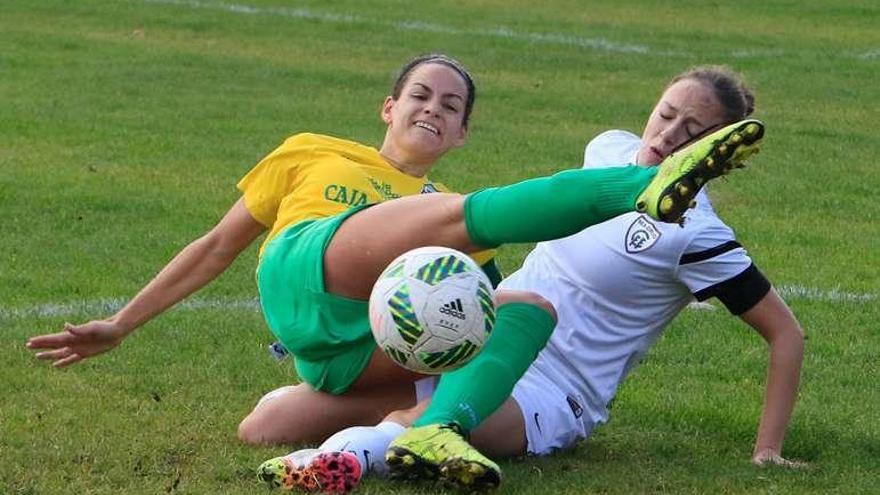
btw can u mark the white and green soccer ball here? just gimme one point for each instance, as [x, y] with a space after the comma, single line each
[432, 309]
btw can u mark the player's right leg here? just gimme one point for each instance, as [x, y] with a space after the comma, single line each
[530, 211]
[440, 451]
[435, 446]
[434, 452]
[534, 210]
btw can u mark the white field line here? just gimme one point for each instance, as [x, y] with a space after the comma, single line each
[99, 308]
[794, 292]
[600, 44]
[419, 26]
[825, 295]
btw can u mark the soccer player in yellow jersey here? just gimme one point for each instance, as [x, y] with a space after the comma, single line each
[308, 177]
[328, 242]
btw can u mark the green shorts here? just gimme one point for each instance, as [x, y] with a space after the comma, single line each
[328, 335]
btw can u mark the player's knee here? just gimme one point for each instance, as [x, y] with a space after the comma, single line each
[254, 428]
[249, 430]
[521, 296]
[259, 428]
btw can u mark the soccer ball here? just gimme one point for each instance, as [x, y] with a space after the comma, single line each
[432, 309]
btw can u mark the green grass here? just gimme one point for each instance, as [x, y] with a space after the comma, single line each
[125, 125]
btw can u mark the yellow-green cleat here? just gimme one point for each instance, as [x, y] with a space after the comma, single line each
[441, 452]
[683, 173]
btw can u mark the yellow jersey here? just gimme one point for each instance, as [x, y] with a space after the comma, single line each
[314, 176]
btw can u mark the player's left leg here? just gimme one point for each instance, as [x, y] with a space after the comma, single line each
[436, 445]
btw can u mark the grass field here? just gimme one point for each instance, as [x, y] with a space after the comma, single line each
[124, 126]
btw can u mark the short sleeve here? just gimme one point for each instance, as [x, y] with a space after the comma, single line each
[270, 181]
[712, 256]
[715, 264]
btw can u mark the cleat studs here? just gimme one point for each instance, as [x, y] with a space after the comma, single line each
[736, 138]
[666, 205]
[692, 203]
[751, 129]
[641, 206]
[710, 162]
[682, 189]
[722, 149]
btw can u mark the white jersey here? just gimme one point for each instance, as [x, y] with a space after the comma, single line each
[616, 285]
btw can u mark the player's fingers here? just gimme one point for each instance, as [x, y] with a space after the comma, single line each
[793, 464]
[54, 355]
[73, 358]
[50, 341]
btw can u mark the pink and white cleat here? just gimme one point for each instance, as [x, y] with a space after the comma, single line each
[312, 470]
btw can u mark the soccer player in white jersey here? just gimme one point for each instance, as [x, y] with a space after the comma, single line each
[615, 287]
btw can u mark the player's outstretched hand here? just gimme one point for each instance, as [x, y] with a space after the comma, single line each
[77, 342]
[769, 457]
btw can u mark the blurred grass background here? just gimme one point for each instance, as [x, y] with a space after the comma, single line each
[124, 126]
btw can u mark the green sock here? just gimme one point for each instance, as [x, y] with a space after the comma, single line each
[471, 393]
[553, 207]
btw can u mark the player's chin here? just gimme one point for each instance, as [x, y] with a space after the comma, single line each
[653, 158]
[429, 143]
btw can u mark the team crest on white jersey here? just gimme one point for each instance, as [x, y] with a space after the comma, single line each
[641, 235]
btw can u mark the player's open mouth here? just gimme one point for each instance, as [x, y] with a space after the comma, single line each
[427, 126]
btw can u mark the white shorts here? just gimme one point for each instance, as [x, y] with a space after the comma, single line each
[554, 420]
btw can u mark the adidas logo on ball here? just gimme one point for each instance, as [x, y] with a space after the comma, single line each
[432, 309]
[453, 308]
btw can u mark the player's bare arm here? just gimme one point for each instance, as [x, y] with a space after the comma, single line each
[773, 319]
[195, 266]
